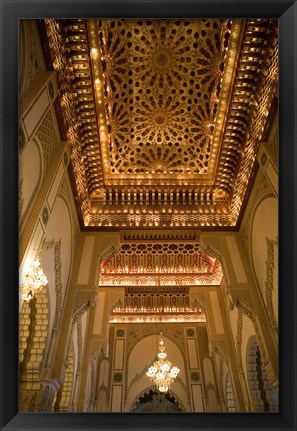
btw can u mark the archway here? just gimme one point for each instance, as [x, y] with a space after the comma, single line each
[142, 355]
[153, 401]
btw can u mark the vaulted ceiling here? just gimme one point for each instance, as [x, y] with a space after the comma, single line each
[164, 117]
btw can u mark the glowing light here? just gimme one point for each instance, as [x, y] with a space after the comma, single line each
[34, 281]
[161, 372]
[94, 54]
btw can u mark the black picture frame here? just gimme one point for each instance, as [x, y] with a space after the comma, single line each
[10, 12]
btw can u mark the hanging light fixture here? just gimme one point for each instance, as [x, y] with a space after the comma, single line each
[161, 371]
[34, 280]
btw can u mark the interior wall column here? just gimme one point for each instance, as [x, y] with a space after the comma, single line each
[242, 287]
[82, 292]
[221, 339]
[85, 363]
[97, 334]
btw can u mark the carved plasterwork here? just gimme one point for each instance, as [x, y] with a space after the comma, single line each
[30, 57]
[47, 137]
[198, 301]
[249, 311]
[56, 245]
[96, 355]
[270, 263]
[153, 236]
[157, 136]
[203, 344]
[215, 253]
[65, 190]
[83, 301]
[239, 339]
[84, 90]
[243, 298]
[156, 290]
[79, 344]
[149, 305]
[21, 198]
[161, 264]
[219, 346]
[158, 404]
[162, 83]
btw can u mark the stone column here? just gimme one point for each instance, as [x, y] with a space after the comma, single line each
[85, 363]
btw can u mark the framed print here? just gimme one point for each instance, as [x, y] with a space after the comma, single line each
[148, 215]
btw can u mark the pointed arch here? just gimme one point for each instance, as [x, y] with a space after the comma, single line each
[151, 403]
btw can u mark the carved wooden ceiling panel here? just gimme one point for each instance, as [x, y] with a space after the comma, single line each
[164, 117]
[160, 262]
[162, 86]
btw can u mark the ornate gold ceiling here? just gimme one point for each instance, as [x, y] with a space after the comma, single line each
[164, 117]
[157, 271]
[156, 305]
[161, 260]
[162, 93]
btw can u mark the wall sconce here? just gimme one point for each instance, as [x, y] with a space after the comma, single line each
[34, 281]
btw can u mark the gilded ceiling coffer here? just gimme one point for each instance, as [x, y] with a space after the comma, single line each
[164, 117]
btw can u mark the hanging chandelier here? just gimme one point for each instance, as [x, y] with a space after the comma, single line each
[161, 371]
[34, 280]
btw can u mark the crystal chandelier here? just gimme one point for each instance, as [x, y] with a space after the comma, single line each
[161, 371]
[34, 280]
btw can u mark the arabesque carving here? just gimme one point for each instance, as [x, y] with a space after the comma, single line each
[47, 136]
[161, 264]
[174, 147]
[58, 277]
[250, 312]
[270, 264]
